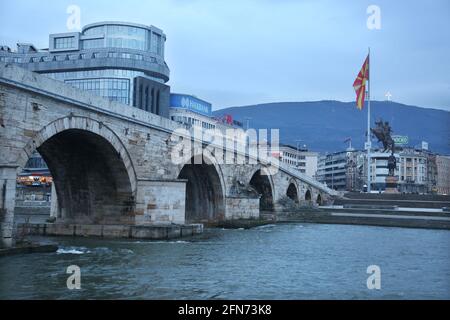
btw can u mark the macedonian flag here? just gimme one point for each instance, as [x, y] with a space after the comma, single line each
[360, 84]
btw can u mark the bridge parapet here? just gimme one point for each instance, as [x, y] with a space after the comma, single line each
[17, 77]
[312, 182]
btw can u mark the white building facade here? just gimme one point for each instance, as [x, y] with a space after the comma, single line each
[340, 170]
[191, 111]
[300, 159]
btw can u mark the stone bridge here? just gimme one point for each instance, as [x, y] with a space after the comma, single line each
[111, 162]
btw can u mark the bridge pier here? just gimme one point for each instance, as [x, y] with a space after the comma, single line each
[54, 206]
[160, 201]
[8, 174]
[244, 207]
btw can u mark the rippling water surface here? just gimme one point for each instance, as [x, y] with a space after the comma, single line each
[287, 261]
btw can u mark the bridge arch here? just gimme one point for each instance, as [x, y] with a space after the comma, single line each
[292, 191]
[319, 199]
[205, 190]
[308, 196]
[262, 182]
[93, 174]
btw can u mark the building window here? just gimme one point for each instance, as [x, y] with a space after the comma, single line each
[93, 43]
[113, 89]
[157, 102]
[125, 55]
[141, 94]
[126, 37]
[156, 46]
[64, 43]
[153, 101]
[146, 99]
[95, 31]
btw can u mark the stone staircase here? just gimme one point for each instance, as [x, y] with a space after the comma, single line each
[393, 200]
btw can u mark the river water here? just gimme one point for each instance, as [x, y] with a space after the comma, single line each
[285, 261]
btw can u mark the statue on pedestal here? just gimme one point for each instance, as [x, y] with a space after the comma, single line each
[383, 133]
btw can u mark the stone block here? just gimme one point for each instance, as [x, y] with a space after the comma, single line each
[88, 230]
[116, 231]
[142, 232]
[59, 229]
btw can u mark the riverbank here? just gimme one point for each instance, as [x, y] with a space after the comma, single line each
[395, 217]
[150, 232]
[382, 209]
[415, 201]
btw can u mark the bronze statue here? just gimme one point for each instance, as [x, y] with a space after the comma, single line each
[383, 133]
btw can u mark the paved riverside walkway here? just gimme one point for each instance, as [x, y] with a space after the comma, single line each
[389, 216]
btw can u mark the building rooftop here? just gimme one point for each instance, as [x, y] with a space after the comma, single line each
[121, 23]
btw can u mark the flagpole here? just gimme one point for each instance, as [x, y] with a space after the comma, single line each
[368, 130]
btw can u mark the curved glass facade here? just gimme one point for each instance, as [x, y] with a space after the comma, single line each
[126, 37]
[123, 36]
[115, 89]
[95, 31]
[114, 84]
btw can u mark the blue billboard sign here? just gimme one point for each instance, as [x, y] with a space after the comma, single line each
[191, 103]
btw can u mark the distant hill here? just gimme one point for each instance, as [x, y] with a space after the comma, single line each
[324, 125]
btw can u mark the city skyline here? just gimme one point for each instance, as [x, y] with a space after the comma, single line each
[232, 63]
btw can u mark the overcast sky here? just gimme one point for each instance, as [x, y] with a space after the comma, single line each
[241, 52]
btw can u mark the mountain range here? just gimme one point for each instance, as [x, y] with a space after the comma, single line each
[323, 126]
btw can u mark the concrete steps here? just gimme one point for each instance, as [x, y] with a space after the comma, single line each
[398, 200]
[400, 217]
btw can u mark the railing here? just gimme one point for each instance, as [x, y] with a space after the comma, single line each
[10, 57]
[308, 179]
[32, 203]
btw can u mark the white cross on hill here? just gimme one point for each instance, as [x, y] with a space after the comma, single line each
[388, 96]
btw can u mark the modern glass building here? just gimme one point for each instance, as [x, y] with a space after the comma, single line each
[120, 61]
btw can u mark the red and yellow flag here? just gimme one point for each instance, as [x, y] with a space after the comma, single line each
[360, 84]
